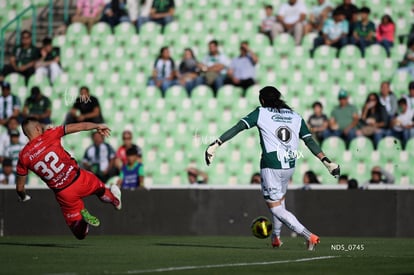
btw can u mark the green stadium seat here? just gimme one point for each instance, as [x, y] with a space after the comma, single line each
[100, 30]
[283, 43]
[175, 96]
[74, 31]
[335, 146]
[388, 147]
[16, 80]
[349, 54]
[227, 94]
[400, 81]
[124, 29]
[323, 54]
[39, 81]
[375, 54]
[361, 148]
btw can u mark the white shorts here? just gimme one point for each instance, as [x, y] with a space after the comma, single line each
[275, 183]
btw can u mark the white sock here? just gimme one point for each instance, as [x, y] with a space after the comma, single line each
[290, 221]
[277, 224]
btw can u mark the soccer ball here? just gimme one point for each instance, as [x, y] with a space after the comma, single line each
[261, 227]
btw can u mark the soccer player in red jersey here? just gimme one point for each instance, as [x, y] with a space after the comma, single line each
[45, 156]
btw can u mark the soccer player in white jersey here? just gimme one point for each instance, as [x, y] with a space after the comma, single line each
[280, 130]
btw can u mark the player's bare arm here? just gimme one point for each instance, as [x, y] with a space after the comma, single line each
[20, 189]
[87, 126]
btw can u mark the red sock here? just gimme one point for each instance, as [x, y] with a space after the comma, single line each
[80, 229]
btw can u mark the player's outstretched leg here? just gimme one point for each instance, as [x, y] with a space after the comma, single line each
[277, 228]
[288, 219]
[112, 196]
[80, 229]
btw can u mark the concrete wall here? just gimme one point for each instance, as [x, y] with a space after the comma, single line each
[373, 213]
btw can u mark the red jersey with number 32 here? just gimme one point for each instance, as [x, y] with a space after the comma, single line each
[46, 157]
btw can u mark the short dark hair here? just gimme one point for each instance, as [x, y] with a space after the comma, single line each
[214, 41]
[26, 32]
[132, 151]
[7, 162]
[268, 7]
[27, 121]
[402, 100]
[317, 103]
[365, 10]
[47, 41]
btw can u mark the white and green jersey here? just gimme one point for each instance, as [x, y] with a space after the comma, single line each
[279, 131]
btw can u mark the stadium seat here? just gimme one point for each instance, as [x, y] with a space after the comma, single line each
[283, 43]
[349, 54]
[15, 80]
[175, 96]
[361, 148]
[100, 30]
[324, 54]
[74, 31]
[227, 94]
[335, 146]
[388, 147]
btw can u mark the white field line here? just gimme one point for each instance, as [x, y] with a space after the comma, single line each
[178, 268]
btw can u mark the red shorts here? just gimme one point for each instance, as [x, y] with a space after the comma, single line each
[70, 198]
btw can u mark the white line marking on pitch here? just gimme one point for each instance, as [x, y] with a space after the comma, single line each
[166, 269]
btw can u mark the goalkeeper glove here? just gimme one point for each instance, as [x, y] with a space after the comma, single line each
[211, 149]
[23, 197]
[332, 167]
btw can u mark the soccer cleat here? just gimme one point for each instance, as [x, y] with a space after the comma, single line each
[117, 194]
[276, 242]
[312, 242]
[89, 219]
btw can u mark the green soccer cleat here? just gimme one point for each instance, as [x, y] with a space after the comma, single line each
[89, 219]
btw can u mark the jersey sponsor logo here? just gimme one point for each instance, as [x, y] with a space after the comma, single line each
[282, 119]
[37, 153]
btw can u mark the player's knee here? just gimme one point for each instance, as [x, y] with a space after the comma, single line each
[79, 229]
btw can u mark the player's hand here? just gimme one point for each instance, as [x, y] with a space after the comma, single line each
[211, 149]
[103, 130]
[25, 198]
[332, 167]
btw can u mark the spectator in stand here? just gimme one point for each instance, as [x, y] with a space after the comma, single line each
[7, 175]
[37, 105]
[9, 104]
[49, 63]
[374, 119]
[343, 179]
[214, 67]
[291, 18]
[364, 34]
[407, 64]
[380, 176]
[256, 178]
[309, 178]
[410, 96]
[88, 12]
[403, 124]
[12, 125]
[85, 109]
[13, 149]
[188, 71]
[23, 59]
[135, 9]
[344, 119]
[268, 22]
[318, 122]
[132, 172]
[352, 184]
[162, 12]
[196, 176]
[351, 14]
[115, 12]
[121, 156]
[318, 15]
[164, 72]
[388, 99]
[385, 33]
[334, 32]
[242, 70]
[99, 158]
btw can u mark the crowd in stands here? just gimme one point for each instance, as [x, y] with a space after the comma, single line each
[382, 114]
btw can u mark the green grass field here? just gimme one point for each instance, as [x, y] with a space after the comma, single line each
[202, 255]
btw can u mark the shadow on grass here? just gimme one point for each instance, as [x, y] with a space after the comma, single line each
[39, 245]
[205, 246]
